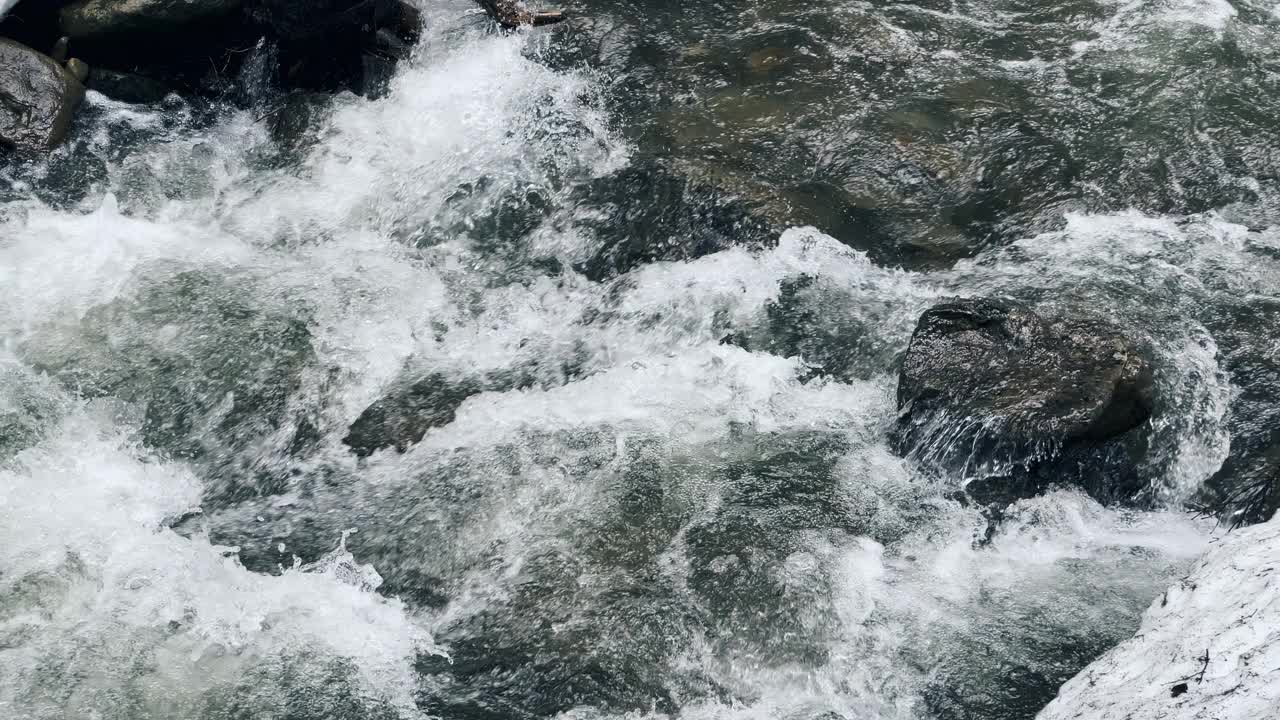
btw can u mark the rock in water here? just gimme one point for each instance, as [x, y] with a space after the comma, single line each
[37, 98]
[93, 18]
[514, 13]
[993, 390]
[1246, 489]
[61, 48]
[1209, 647]
[127, 87]
[333, 44]
[403, 417]
[648, 212]
[78, 70]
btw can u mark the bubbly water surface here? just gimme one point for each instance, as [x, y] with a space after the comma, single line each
[629, 516]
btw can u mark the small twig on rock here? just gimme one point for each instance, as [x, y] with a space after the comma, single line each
[1198, 677]
[1205, 659]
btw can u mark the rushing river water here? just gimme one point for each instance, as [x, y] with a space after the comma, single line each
[667, 259]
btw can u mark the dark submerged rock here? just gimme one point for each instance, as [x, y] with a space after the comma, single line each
[296, 121]
[200, 46]
[37, 98]
[127, 87]
[515, 13]
[28, 409]
[558, 643]
[297, 685]
[78, 70]
[222, 390]
[648, 212]
[60, 49]
[403, 417]
[1016, 401]
[835, 334]
[419, 402]
[337, 44]
[1246, 489]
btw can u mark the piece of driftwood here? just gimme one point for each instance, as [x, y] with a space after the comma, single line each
[513, 13]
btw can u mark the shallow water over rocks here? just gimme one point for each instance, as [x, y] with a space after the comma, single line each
[662, 265]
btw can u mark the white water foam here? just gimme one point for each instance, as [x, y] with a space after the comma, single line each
[88, 506]
[105, 613]
[937, 596]
[1214, 15]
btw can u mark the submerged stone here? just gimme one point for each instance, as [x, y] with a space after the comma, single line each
[403, 417]
[648, 213]
[336, 44]
[306, 684]
[199, 45]
[29, 407]
[296, 123]
[78, 70]
[1246, 489]
[993, 390]
[212, 372]
[560, 642]
[127, 87]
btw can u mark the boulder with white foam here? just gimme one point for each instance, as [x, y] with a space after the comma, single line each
[1015, 401]
[1208, 648]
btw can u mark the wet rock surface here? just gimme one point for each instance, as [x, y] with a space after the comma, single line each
[127, 87]
[1207, 647]
[38, 98]
[89, 18]
[403, 417]
[650, 212]
[1246, 489]
[202, 47]
[985, 149]
[988, 387]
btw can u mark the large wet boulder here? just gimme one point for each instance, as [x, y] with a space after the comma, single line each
[333, 44]
[91, 18]
[418, 402]
[1246, 489]
[1015, 401]
[212, 47]
[38, 98]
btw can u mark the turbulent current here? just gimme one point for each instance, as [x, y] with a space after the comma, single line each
[658, 266]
